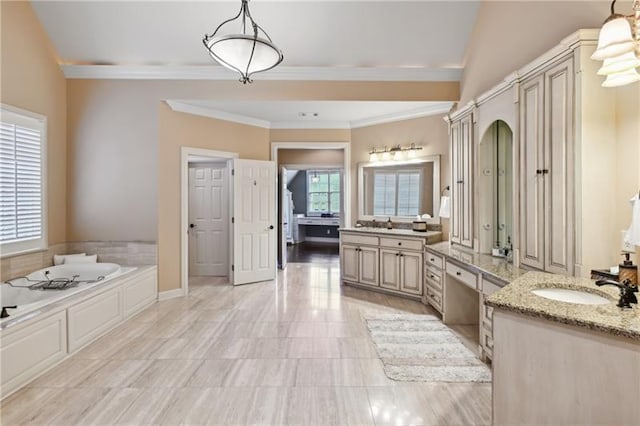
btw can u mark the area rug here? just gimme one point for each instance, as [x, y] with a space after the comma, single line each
[420, 348]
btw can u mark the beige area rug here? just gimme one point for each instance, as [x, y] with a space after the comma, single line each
[420, 348]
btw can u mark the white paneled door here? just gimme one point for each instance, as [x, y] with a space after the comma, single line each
[284, 217]
[209, 220]
[254, 232]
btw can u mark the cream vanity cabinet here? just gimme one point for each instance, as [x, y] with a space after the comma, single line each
[461, 135]
[359, 257]
[489, 286]
[385, 261]
[401, 265]
[546, 180]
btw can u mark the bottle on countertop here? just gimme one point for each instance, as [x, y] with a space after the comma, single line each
[389, 224]
[628, 271]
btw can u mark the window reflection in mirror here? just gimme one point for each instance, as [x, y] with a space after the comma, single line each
[496, 187]
[399, 190]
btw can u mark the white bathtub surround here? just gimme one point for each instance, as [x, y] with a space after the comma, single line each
[23, 264]
[127, 253]
[61, 328]
[87, 276]
[120, 252]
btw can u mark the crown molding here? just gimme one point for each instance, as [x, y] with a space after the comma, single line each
[213, 72]
[441, 108]
[220, 115]
[184, 107]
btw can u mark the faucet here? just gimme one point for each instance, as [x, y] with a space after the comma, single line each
[4, 313]
[626, 292]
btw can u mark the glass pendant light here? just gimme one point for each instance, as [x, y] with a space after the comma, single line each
[615, 38]
[621, 78]
[248, 52]
[619, 64]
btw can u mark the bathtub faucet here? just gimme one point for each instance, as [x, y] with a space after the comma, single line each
[4, 313]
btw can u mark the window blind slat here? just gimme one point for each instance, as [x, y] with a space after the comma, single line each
[20, 178]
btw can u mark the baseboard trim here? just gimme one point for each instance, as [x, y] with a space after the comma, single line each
[322, 240]
[170, 294]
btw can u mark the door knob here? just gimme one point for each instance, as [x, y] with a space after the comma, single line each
[191, 225]
[271, 227]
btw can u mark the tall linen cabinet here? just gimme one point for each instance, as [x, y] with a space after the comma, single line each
[565, 139]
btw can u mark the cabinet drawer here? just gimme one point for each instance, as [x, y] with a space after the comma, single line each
[435, 284]
[434, 260]
[398, 243]
[434, 298]
[467, 277]
[487, 317]
[359, 239]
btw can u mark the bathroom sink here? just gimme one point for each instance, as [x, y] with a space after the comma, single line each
[571, 296]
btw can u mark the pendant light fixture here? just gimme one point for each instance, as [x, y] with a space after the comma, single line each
[247, 52]
[618, 48]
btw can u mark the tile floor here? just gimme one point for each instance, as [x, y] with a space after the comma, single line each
[291, 351]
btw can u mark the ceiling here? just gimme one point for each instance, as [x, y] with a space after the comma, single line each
[418, 40]
[309, 114]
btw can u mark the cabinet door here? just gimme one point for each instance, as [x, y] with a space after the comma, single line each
[350, 261]
[368, 270]
[411, 272]
[456, 176]
[390, 269]
[558, 170]
[531, 177]
[466, 179]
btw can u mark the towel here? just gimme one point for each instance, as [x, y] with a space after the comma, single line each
[632, 236]
[445, 210]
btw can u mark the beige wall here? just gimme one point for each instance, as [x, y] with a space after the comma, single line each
[175, 131]
[310, 156]
[429, 132]
[32, 80]
[509, 34]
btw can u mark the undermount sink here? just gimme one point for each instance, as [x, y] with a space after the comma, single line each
[571, 296]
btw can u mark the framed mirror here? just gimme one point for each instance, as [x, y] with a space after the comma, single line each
[495, 185]
[400, 190]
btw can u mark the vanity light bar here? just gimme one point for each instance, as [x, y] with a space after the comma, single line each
[392, 153]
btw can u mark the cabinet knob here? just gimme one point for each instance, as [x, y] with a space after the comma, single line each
[401, 255]
[397, 254]
[399, 243]
[539, 172]
[458, 273]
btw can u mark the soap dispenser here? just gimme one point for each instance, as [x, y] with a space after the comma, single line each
[628, 271]
[389, 224]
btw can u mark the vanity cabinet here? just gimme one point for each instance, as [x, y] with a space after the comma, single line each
[433, 279]
[546, 182]
[385, 261]
[360, 264]
[486, 317]
[461, 135]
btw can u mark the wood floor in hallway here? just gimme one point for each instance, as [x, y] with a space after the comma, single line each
[291, 351]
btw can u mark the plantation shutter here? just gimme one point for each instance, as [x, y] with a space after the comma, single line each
[21, 189]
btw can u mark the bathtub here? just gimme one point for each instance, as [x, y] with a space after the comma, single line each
[90, 275]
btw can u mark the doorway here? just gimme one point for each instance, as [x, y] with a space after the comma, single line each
[313, 199]
[229, 203]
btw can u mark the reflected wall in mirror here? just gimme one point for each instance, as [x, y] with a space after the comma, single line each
[400, 190]
[496, 187]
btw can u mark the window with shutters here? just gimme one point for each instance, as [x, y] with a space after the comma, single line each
[323, 192]
[397, 192]
[22, 171]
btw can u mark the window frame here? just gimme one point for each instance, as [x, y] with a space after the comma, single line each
[396, 173]
[328, 172]
[15, 115]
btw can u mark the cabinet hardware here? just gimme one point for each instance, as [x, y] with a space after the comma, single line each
[399, 244]
[538, 172]
[545, 171]
[458, 273]
[401, 255]
[397, 254]
[460, 181]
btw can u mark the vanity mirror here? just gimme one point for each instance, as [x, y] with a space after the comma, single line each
[400, 190]
[496, 187]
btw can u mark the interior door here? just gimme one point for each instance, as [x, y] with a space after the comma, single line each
[254, 207]
[284, 219]
[208, 220]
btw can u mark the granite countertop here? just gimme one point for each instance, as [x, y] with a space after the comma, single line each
[497, 267]
[608, 318]
[434, 236]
